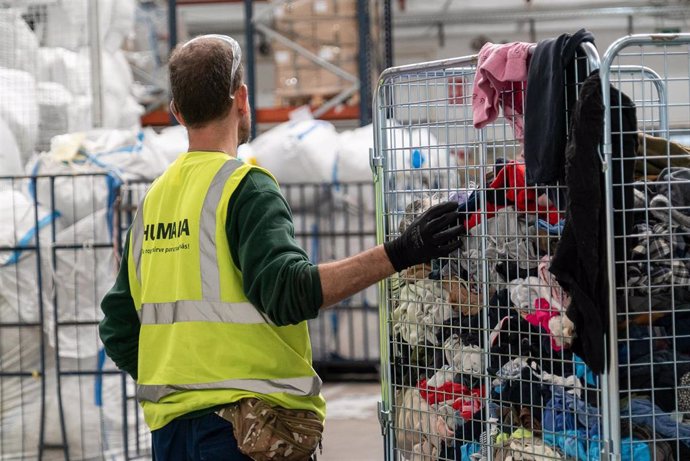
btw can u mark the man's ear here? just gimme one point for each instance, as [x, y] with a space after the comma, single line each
[242, 99]
[176, 113]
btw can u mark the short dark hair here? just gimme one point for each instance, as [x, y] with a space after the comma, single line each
[200, 74]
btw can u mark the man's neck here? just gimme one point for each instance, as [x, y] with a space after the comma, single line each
[214, 138]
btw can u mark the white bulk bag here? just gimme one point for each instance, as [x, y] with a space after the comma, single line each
[19, 109]
[124, 152]
[19, 44]
[20, 399]
[75, 197]
[299, 152]
[353, 163]
[10, 159]
[120, 109]
[71, 69]
[169, 143]
[54, 103]
[83, 275]
[419, 162]
[19, 278]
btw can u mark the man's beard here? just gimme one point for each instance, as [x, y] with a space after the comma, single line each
[244, 130]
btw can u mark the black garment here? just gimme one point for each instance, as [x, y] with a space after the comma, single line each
[519, 338]
[545, 105]
[658, 373]
[580, 262]
[527, 391]
[510, 270]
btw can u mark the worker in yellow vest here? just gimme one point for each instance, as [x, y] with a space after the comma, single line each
[208, 313]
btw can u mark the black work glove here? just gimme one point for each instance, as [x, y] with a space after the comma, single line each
[430, 236]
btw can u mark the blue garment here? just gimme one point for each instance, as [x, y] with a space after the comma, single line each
[467, 450]
[206, 438]
[566, 412]
[643, 413]
[574, 427]
[553, 229]
[582, 371]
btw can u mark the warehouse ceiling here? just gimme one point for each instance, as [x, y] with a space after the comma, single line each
[420, 14]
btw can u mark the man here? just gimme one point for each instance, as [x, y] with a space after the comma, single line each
[208, 312]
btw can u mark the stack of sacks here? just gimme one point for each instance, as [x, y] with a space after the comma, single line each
[65, 59]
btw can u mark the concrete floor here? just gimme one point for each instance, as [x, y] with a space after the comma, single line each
[352, 430]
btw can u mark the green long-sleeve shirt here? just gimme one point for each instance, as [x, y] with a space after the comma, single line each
[277, 276]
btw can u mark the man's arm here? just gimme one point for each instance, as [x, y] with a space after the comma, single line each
[342, 279]
[433, 234]
[278, 277]
[119, 329]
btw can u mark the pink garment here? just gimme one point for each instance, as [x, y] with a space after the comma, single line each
[500, 80]
[541, 316]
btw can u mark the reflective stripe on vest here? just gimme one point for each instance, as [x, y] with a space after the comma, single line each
[199, 311]
[305, 387]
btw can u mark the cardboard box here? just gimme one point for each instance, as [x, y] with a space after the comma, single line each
[297, 9]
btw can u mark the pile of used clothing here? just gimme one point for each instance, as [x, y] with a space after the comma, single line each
[497, 350]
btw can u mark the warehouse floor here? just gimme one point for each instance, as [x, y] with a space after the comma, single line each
[352, 429]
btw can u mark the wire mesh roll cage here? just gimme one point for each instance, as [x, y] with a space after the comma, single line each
[421, 81]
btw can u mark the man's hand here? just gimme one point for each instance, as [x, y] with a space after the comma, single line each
[429, 236]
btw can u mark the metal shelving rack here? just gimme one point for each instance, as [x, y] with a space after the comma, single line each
[330, 110]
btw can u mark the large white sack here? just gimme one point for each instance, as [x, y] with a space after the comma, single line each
[296, 152]
[19, 108]
[353, 164]
[71, 69]
[20, 397]
[75, 197]
[19, 44]
[299, 152]
[54, 103]
[10, 158]
[416, 164]
[125, 152]
[169, 143]
[19, 271]
[120, 109]
[121, 153]
[83, 275]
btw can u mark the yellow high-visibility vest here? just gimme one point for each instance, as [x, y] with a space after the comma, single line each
[202, 343]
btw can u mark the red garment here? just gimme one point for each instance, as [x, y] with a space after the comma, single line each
[465, 400]
[447, 391]
[511, 179]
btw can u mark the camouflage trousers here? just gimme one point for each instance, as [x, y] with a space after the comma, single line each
[267, 433]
